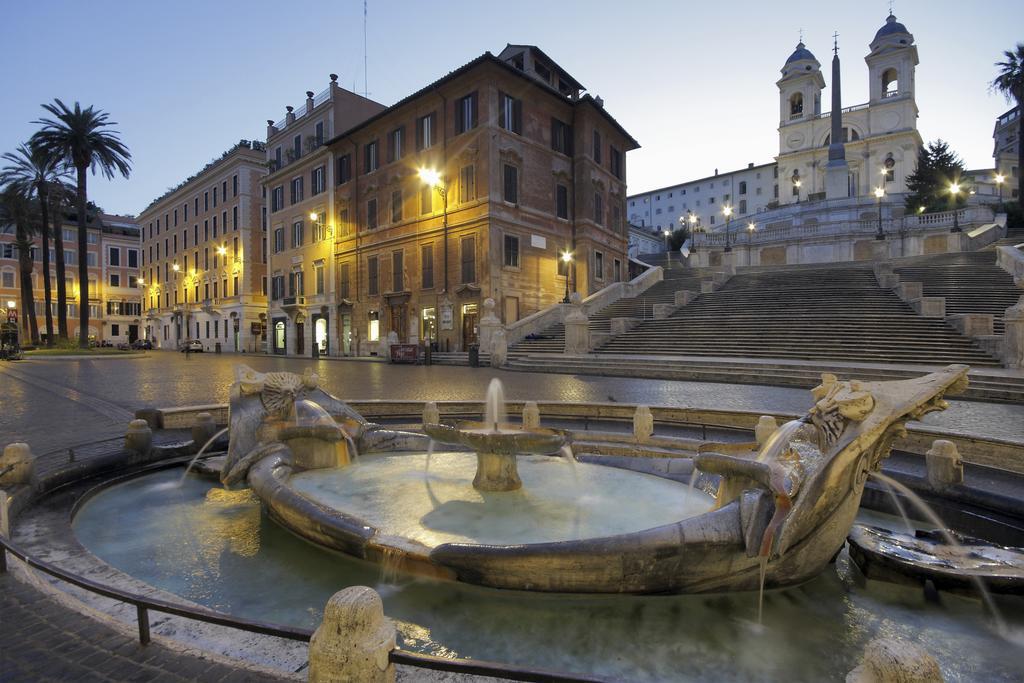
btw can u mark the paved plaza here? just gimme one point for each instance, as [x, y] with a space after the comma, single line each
[53, 404]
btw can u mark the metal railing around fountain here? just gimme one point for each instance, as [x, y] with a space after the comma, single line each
[143, 605]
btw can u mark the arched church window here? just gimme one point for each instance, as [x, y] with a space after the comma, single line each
[849, 135]
[796, 105]
[890, 83]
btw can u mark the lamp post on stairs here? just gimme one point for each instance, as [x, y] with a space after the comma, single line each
[879, 193]
[727, 210]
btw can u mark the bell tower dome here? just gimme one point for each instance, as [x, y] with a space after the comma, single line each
[891, 62]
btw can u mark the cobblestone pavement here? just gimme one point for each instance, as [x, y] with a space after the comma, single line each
[97, 397]
[44, 641]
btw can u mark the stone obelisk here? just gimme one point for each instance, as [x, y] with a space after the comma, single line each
[837, 173]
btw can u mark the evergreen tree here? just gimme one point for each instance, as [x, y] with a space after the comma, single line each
[938, 167]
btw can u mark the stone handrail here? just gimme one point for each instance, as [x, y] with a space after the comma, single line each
[1011, 259]
[555, 314]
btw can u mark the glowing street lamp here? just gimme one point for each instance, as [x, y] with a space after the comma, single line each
[433, 178]
[727, 210]
[1000, 179]
[879, 193]
[313, 215]
[566, 259]
[175, 267]
[11, 304]
[797, 183]
[222, 250]
[954, 195]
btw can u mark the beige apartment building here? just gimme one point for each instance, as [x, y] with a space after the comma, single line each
[472, 188]
[204, 263]
[114, 297]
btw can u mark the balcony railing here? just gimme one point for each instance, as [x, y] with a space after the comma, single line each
[320, 98]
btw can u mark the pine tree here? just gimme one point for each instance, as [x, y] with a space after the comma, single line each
[938, 167]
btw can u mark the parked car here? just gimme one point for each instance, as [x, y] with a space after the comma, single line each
[142, 345]
[124, 346]
[193, 345]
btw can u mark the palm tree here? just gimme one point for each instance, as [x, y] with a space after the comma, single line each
[1010, 82]
[32, 172]
[16, 209]
[62, 195]
[81, 138]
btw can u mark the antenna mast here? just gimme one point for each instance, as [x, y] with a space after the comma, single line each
[366, 87]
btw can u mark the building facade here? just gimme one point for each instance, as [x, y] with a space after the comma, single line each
[114, 297]
[1006, 135]
[204, 263]
[471, 188]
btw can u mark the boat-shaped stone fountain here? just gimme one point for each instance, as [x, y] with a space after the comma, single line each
[507, 515]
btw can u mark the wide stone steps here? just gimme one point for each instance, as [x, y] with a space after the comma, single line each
[778, 372]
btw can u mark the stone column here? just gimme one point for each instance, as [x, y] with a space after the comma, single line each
[431, 415]
[577, 326]
[354, 640]
[531, 415]
[139, 436]
[643, 423]
[945, 467]
[17, 465]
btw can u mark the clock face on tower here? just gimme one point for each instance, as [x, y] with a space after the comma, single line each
[795, 140]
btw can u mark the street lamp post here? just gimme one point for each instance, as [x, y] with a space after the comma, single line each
[797, 183]
[751, 227]
[1000, 178]
[668, 252]
[727, 210]
[436, 180]
[566, 259]
[879, 193]
[954, 193]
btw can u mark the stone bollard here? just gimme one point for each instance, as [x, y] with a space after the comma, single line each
[499, 348]
[643, 423]
[1013, 338]
[766, 425]
[139, 437]
[354, 640]
[431, 415]
[945, 467]
[5, 516]
[707, 286]
[17, 465]
[531, 415]
[577, 327]
[887, 660]
[683, 297]
[203, 429]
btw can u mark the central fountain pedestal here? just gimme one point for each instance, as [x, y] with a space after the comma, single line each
[496, 472]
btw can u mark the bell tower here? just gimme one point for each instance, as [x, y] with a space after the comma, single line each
[891, 62]
[800, 87]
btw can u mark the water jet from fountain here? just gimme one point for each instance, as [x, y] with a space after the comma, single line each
[199, 453]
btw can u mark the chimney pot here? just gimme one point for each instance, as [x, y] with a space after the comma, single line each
[289, 109]
[334, 78]
[270, 122]
[309, 93]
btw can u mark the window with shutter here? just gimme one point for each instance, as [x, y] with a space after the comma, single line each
[562, 201]
[597, 147]
[371, 214]
[511, 185]
[396, 206]
[468, 253]
[397, 271]
[372, 284]
[427, 266]
[467, 183]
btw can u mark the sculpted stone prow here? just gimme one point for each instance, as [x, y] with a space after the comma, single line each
[263, 421]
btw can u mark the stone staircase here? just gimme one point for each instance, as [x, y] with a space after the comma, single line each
[831, 312]
[676, 277]
[971, 282]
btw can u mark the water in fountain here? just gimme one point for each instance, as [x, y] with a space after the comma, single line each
[778, 441]
[934, 519]
[494, 408]
[763, 560]
[199, 453]
[353, 451]
[911, 529]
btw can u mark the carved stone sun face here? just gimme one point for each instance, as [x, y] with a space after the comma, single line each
[280, 390]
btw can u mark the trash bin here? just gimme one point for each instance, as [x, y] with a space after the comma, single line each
[316, 350]
[216, 347]
[474, 356]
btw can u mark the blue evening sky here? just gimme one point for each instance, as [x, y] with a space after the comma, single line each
[693, 82]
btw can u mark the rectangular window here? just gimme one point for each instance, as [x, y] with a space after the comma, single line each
[427, 266]
[425, 127]
[468, 253]
[344, 225]
[466, 112]
[206, 201]
[397, 271]
[115, 253]
[297, 234]
[224, 190]
[234, 188]
[615, 162]
[618, 270]
[115, 280]
[599, 208]
[372, 284]
[511, 251]
[396, 206]
[316, 181]
[743, 206]
[395, 140]
[297, 190]
[370, 159]
[320, 227]
[196, 211]
[561, 136]
[616, 218]
[175, 218]
[344, 169]
[133, 258]
[319, 135]
[597, 147]
[296, 147]
[510, 190]
[598, 265]
[318, 273]
[278, 240]
[371, 214]
[185, 208]
[277, 198]
[426, 199]
[510, 113]
[346, 282]
[467, 183]
[234, 218]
